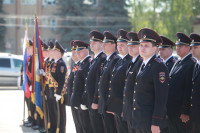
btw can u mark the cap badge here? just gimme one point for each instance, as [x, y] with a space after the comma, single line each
[144, 36]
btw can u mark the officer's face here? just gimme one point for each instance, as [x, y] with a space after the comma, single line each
[95, 46]
[56, 54]
[45, 53]
[146, 50]
[51, 53]
[82, 53]
[165, 52]
[74, 56]
[122, 48]
[133, 50]
[182, 50]
[196, 51]
[108, 47]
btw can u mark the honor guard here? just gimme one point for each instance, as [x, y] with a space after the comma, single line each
[151, 86]
[49, 90]
[180, 86]
[69, 90]
[79, 85]
[166, 50]
[117, 82]
[30, 120]
[109, 47]
[134, 65]
[195, 96]
[91, 86]
[58, 75]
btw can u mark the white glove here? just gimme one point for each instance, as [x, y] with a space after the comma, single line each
[76, 107]
[58, 97]
[83, 107]
[30, 88]
[42, 72]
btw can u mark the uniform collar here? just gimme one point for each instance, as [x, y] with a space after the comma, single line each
[165, 61]
[185, 56]
[145, 62]
[134, 59]
[108, 57]
[77, 62]
[84, 59]
[124, 56]
[57, 60]
[98, 54]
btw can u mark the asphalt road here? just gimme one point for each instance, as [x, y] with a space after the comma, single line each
[11, 112]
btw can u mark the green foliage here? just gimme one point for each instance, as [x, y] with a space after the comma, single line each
[167, 17]
[80, 18]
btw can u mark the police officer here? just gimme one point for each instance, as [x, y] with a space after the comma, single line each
[109, 47]
[79, 85]
[151, 86]
[133, 48]
[42, 72]
[195, 96]
[30, 120]
[180, 86]
[166, 50]
[49, 90]
[69, 90]
[58, 76]
[91, 86]
[117, 82]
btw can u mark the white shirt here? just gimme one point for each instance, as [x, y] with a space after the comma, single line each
[98, 54]
[76, 62]
[124, 56]
[165, 61]
[134, 59]
[145, 63]
[107, 58]
[198, 62]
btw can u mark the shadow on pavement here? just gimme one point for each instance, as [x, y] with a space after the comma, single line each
[28, 129]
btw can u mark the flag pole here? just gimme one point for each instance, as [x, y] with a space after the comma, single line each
[43, 95]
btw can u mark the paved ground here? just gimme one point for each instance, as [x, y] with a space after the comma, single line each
[11, 112]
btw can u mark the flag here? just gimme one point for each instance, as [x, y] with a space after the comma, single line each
[25, 85]
[37, 65]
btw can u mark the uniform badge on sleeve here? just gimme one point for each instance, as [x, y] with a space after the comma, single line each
[162, 77]
[62, 68]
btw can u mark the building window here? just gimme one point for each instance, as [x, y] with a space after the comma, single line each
[49, 2]
[28, 20]
[10, 21]
[49, 21]
[28, 2]
[8, 1]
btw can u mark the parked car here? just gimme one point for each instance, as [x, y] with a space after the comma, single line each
[10, 66]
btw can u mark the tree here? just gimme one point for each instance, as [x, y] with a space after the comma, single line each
[72, 13]
[167, 17]
[115, 15]
[2, 29]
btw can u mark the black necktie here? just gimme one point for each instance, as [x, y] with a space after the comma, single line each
[142, 68]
